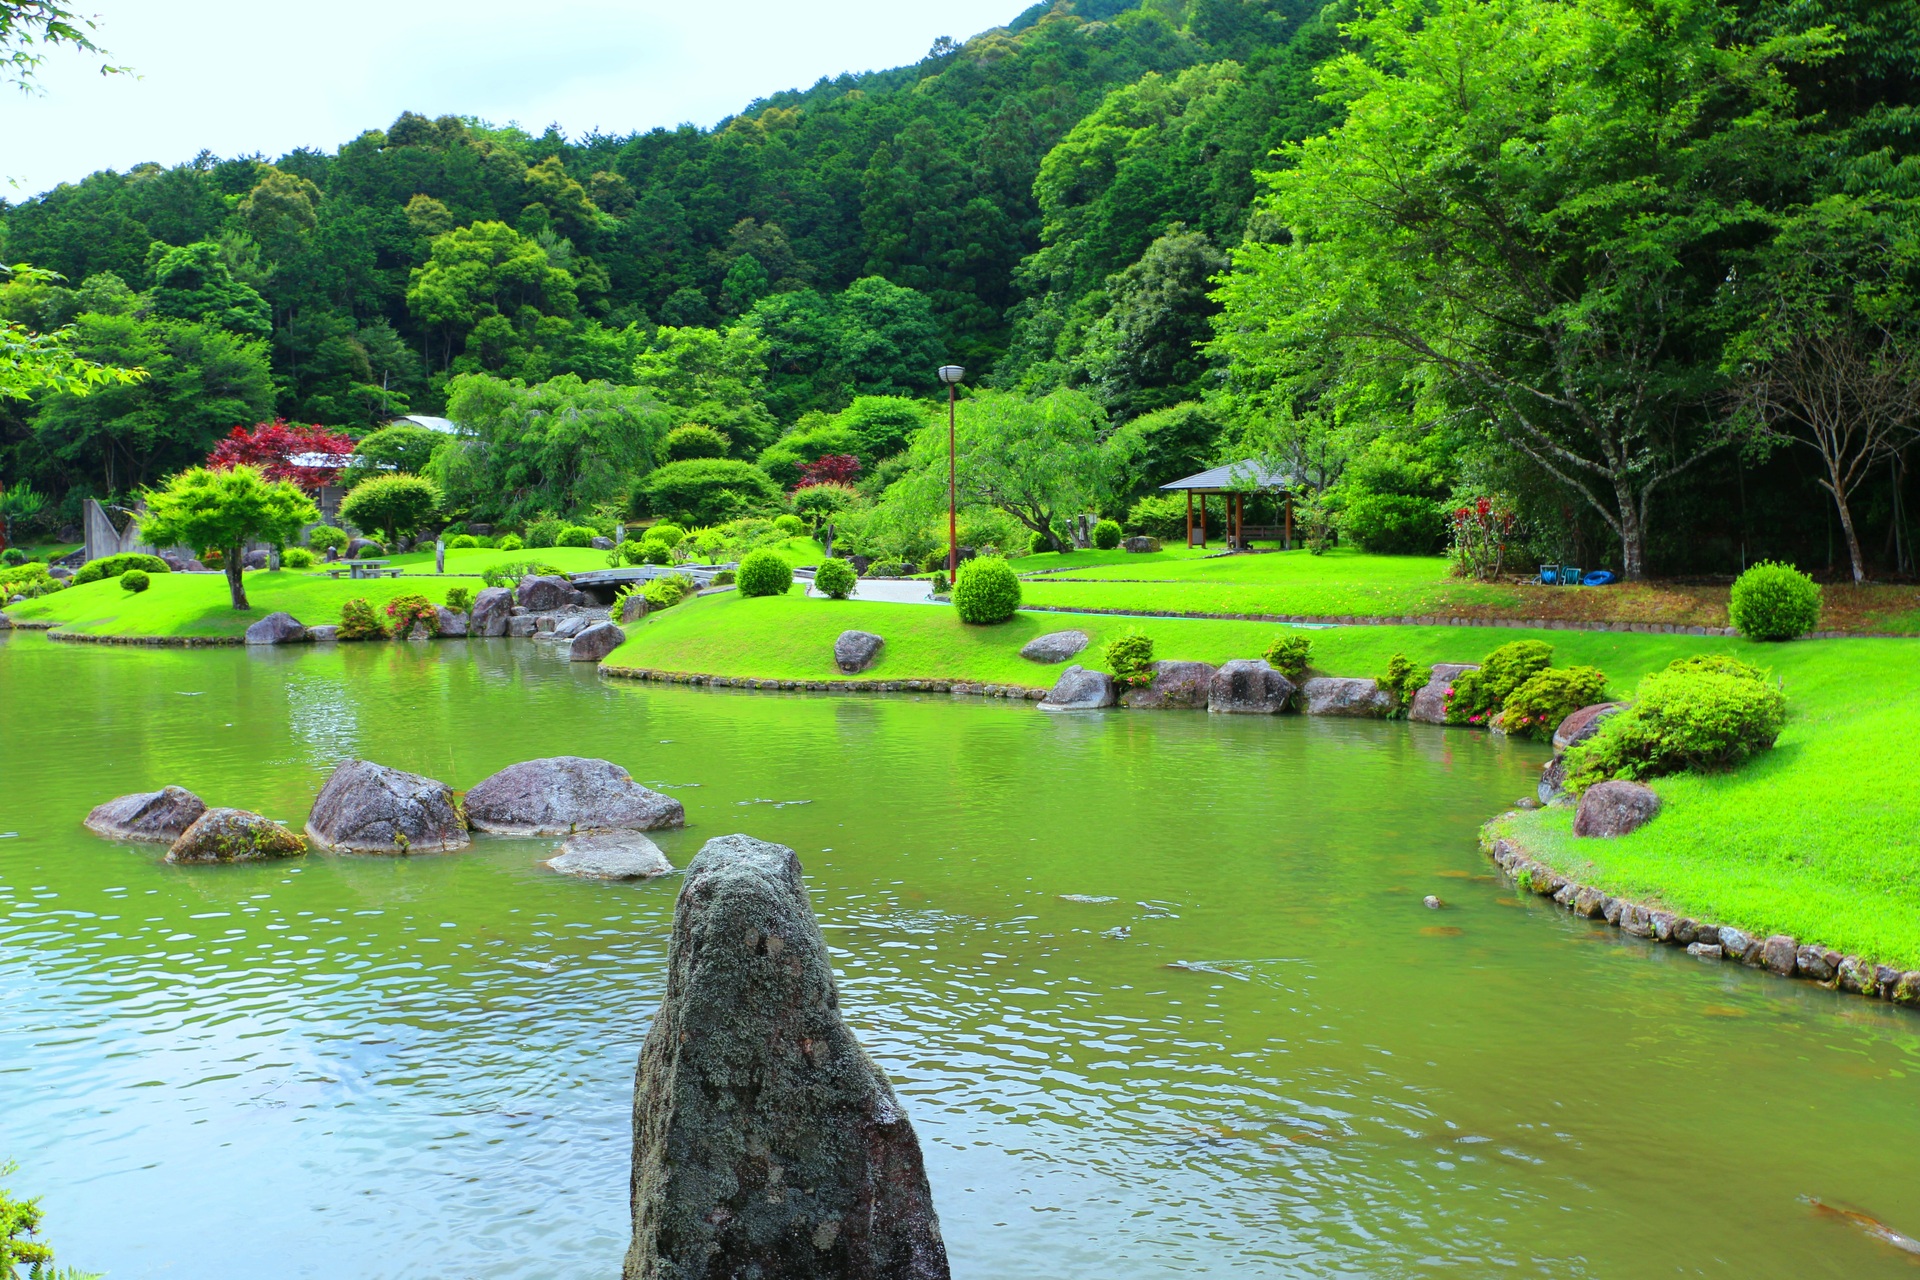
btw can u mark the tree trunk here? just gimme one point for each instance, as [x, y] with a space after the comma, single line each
[1852, 536]
[1633, 539]
[235, 566]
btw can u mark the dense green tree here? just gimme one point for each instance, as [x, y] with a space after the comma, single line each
[195, 283]
[225, 510]
[706, 491]
[715, 378]
[400, 447]
[486, 273]
[396, 503]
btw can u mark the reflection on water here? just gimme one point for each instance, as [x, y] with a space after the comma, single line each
[1284, 1066]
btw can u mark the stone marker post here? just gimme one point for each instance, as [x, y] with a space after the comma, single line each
[439, 555]
[765, 1140]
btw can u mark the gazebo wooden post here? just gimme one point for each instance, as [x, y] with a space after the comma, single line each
[1189, 517]
[1203, 518]
[1239, 522]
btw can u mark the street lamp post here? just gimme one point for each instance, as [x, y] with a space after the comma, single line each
[952, 375]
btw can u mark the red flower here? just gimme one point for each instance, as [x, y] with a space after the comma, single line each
[1483, 506]
[273, 446]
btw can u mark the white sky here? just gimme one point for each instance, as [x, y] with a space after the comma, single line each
[240, 76]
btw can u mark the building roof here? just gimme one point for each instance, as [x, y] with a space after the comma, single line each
[319, 460]
[445, 426]
[1233, 477]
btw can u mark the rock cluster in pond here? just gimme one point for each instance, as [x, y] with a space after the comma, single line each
[234, 835]
[159, 817]
[1055, 646]
[595, 642]
[563, 794]
[766, 1142]
[370, 808]
[1429, 702]
[491, 609]
[1175, 686]
[855, 651]
[1615, 809]
[277, 628]
[1248, 686]
[1343, 696]
[521, 628]
[1079, 689]
[542, 594]
[610, 855]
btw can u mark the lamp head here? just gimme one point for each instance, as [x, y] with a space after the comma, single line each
[952, 373]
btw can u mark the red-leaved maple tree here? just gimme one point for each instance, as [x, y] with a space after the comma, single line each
[833, 468]
[272, 446]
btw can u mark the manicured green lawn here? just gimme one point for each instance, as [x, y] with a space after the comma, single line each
[1820, 838]
[477, 560]
[197, 604]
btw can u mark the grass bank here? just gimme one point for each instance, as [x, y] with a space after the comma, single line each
[1346, 583]
[197, 606]
[1820, 838]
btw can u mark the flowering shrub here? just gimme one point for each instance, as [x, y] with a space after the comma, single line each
[407, 610]
[1131, 659]
[358, 621]
[1481, 531]
[1536, 708]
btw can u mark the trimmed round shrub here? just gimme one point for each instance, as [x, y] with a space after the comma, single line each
[1395, 524]
[1288, 655]
[545, 533]
[986, 591]
[510, 542]
[576, 535]
[372, 551]
[135, 580]
[1130, 658]
[707, 491]
[1687, 717]
[324, 538]
[836, 578]
[13, 556]
[764, 573]
[652, 551]
[296, 558]
[695, 441]
[1773, 601]
[462, 542]
[887, 569]
[113, 566]
[359, 621]
[668, 532]
[792, 526]
[1106, 534]
[460, 599]
[1536, 708]
[398, 503]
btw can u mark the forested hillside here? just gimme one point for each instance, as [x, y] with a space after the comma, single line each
[1102, 210]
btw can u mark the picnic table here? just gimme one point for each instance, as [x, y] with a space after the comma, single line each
[356, 569]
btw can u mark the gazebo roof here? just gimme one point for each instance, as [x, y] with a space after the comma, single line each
[1234, 477]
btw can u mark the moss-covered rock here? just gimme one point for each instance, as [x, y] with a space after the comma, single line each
[234, 835]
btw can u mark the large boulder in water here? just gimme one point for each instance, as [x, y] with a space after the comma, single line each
[544, 594]
[1079, 689]
[453, 626]
[1175, 685]
[369, 808]
[234, 835]
[1343, 696]
[1248, 687]
[766, 1143]
[277, 628]
[1055, 646]
[855, 651]
[563, 794]
[610, 855]
[1614, 809]
[595, 642]
[1429, 702]
[491, 609]
[157, 816]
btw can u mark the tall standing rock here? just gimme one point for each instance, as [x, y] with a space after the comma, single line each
[766, 1143]
[491, 609]
[369, 808]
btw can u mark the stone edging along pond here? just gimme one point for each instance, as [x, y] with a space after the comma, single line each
[1780, 954]
[1015, 691]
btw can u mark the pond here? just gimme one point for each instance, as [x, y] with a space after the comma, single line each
[1262, 1057]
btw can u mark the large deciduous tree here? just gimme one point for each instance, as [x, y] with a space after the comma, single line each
[1527, 213]
[397, 504]
[203, 508]
[309, 456]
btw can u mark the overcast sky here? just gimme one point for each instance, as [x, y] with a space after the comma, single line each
[240, 76]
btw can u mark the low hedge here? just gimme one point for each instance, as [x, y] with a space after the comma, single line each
[114, 566]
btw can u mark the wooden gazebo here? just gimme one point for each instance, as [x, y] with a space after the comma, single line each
[1235, 481]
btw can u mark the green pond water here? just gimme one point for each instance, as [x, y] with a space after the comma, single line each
[422, 1067]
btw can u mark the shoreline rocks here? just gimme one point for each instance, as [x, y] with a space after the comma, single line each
[1248, 687]
[277, 628]
[1344, 696]
[234, 835]
[491, 609]
[595, 642]
[545, 593]
[154, 817]
[1175, 686]
[370, 808]
[1429, 702]
[766, 1141]
[1615, 809]
[559, 795]
[1079, 689]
